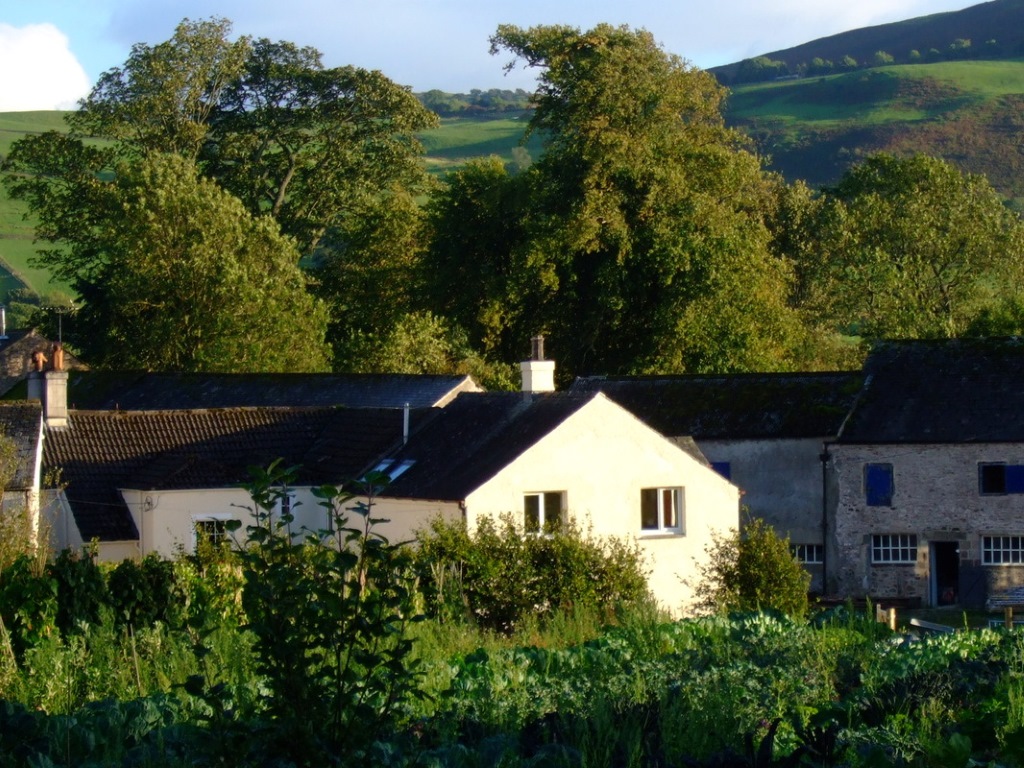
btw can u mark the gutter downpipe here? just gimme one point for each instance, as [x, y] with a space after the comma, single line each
[824, 456]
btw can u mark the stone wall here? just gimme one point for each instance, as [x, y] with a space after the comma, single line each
[936, 497]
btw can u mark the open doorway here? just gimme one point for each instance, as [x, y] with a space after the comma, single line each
[945, 572]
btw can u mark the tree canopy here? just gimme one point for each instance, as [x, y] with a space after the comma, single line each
[323, 155]
[636, 240]
[307, 144]
[909, 248]
[176, 275]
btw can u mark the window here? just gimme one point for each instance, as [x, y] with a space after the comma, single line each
[878, 485]
[394, 469]
[724, 468]
[1002, 550]
[215, 531]
[808, 554]
[894, 548]
[543, 511]
[998, 479]
[661, 509]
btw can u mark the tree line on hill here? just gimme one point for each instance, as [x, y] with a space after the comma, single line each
[763, 68]
[233, 205]
[476, 103]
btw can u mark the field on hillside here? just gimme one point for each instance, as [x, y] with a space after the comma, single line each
[968, 112]
[909, 92]
[460, 139]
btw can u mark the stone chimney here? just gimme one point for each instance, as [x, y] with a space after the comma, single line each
[50, 387]
[538, 373]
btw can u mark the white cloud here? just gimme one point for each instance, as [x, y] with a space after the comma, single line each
[38, 70]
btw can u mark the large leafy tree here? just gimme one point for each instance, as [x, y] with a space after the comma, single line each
[176, 275]
[329, 155]
[639, 246]
[308, 145]
[908, 247]
[478, 233]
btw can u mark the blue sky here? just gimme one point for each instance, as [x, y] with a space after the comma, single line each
[51, 51]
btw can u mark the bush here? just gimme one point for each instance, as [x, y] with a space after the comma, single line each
[81, 590]
[753, 571]
[140, 592]
[498, 576]
[329, 612]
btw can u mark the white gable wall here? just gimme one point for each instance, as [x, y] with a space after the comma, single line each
[601, 457]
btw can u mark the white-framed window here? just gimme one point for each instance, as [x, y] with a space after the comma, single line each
[808, 554]
[214, 530]
[543, 511]
[894, 548]
[1002, 550]
[661, 509]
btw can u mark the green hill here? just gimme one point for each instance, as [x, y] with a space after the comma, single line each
[969, 112]
[989, 30]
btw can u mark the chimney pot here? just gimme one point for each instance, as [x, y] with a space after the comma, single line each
[537, 347]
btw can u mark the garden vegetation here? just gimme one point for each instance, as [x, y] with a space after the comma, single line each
[325, 648]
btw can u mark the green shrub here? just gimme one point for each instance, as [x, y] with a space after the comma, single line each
[141, 592]
[81, 590]
[497, 576]
[28, 604]
[329, 612]
[752, 571]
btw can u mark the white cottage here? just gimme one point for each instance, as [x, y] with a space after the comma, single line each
[546, 457]
[765, 432]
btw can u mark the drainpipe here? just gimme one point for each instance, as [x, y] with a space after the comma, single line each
[824, 456]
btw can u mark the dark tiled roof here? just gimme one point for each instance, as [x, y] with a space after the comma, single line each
[105, 390]
[943, 391]
[734, 406]
[469, 441]
[103, 451]
[22, 423]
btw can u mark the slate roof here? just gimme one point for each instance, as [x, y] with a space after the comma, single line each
[99, 390]
[941, 391]
[734, 406]
[100, 452]
[468, 442]
[22, 422]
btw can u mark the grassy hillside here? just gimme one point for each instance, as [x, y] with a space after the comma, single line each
[970, 112]
[993, 30]
[460, 139]
[16, 246]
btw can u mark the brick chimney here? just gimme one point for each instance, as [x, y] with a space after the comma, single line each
[538, 373]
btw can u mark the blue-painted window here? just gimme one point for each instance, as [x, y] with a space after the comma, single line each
[724, 468]
[1000, 479]
[878, 485]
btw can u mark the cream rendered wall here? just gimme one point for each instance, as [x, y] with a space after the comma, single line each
[58, 522]
[601, 457]
[406, 517]
[166, 519]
